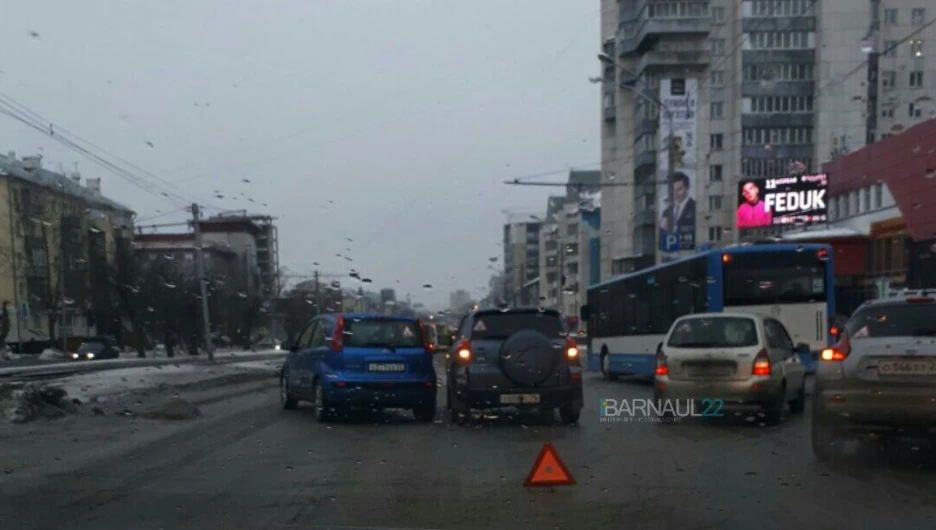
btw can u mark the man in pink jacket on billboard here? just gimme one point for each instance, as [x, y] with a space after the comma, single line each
[753, 212]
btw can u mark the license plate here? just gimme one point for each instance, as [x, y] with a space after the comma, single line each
[513, 399]
[386, 367]
[710, 371]
[907, 367]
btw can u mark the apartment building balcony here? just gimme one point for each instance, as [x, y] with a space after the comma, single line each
[778, 88]
[787, 119]
[645, 126]
[752, 24]
[645, 158]
[642, 23]
[807, 56]
[777, 151]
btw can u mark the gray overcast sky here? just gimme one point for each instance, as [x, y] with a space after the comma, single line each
[407, 114]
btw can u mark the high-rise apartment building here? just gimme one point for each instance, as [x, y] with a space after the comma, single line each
[774, 86]
[521, 260]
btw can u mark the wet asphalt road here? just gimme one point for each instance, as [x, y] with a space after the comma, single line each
[249, 464]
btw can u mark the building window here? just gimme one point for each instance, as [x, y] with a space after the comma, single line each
[717, 110]
[890, 17]
[887, 113]
[866, 199]
[916, 79]
[717, 77]
[781, 104]
[878, 196]
[716, 142]
[916, 48]
[888, 78]
[715, 202]
[914, 112]
[917, 16]
[572, 229]
[844, 206]
[715, 233]
[889, 48]
[779, 40]
[715, 173]
[718, 14]
[717, 46]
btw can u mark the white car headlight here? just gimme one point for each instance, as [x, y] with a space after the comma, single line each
[90, 355]
[74, 356]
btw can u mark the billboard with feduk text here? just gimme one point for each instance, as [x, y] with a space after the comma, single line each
[795, 199]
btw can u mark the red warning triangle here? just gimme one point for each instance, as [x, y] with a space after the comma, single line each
[548, 470]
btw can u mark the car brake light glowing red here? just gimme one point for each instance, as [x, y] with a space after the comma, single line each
[661, 367]
[338, 338]
[838, 352]
[571, 348]
[761, 363]
[463, 350]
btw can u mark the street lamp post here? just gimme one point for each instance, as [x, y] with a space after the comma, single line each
[671, 169]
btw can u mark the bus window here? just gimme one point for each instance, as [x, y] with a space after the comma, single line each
[774, 278]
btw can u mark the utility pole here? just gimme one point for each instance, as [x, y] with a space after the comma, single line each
[200, 264]
[13, 260]
[62, 282]
[318, 294]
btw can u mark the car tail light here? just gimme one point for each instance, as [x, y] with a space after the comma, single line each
[338, 338]
[822, 254]
[838, 352]
[425, 335]
[761, 363]
[571, 348]
[661, 367]
[463, 351]
[920, 300]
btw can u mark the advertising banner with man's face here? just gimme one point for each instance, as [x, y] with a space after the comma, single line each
[678, 213]
[782, 200]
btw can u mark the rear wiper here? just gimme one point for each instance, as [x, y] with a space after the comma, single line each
[694, 345]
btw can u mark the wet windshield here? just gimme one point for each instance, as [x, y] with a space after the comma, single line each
[194, 194]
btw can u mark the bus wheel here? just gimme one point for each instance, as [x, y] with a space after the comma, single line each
[606, 367]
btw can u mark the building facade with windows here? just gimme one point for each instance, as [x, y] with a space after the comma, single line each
[781, 84]
[521, 261]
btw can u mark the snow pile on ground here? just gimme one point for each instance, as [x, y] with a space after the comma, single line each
[51, 355]
[33, 401]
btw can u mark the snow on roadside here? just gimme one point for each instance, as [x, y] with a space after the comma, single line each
[98, 385]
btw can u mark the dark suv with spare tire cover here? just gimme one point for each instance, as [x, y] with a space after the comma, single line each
[521, 358]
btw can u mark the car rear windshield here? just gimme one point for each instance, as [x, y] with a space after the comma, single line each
[91, 345]
[904, 320]
[502, 325]
[721, 332]
[382, 333]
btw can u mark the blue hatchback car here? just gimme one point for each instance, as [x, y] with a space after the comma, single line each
[344, 362]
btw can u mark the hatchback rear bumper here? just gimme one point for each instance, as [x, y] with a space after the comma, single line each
[380, 394]
[875, 409]
[552, 397]
[736, 395]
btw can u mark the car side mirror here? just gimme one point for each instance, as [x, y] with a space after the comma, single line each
[802, 347]
[585, 312]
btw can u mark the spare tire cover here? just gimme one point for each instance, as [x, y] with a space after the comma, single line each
[528, 357]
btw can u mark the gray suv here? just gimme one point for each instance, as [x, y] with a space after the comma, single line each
[881, 375]
[518, 358]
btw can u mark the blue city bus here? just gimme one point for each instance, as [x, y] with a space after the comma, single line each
[629, 315]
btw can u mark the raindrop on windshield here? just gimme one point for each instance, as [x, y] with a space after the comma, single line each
[366, 280]
[169, 285]
[68, 301]
[427, 287]
[765, 285]
[150, 144]
[930, 173]
[683, 279]
[242, 295]
[709, 279]
[34, 34]
[800, 248]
